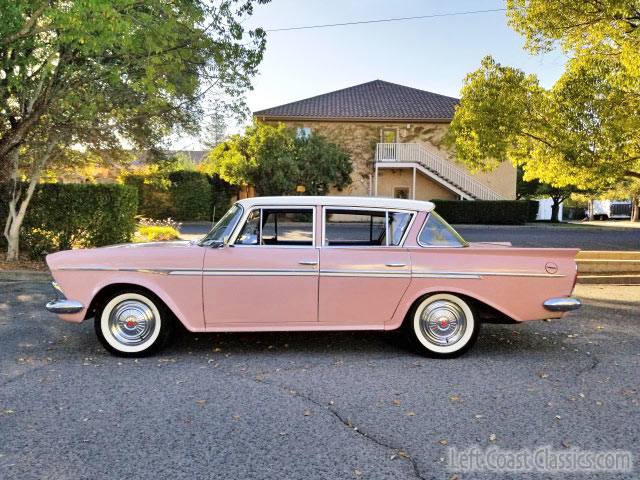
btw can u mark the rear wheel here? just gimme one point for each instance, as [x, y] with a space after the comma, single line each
[442, 326]
[132, 324]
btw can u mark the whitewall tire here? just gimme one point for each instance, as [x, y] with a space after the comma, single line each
[443, 325]
[132, 324]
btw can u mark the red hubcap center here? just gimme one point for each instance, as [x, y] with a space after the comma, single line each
[444, 322]
[131, 322]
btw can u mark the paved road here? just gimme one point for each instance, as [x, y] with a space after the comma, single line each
[309, 405]
[585, 238]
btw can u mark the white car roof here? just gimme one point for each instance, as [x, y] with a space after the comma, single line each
[340, 201]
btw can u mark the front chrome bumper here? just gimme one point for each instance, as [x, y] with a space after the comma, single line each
[61, 305]
[563, 304]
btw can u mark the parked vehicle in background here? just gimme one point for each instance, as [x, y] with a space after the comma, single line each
[611, 209]
[314, 263]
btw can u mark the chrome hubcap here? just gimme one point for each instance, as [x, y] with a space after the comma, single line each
[132, 322]
[443, 322]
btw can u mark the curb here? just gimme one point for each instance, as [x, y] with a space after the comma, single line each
[24, 276]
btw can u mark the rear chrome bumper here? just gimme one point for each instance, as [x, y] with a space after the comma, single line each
[64, 306]
[61, 305]
[563, 304]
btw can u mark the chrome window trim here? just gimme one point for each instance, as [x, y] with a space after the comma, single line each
[424, 224]
[413, 214]
[233, 230]
[245, 216]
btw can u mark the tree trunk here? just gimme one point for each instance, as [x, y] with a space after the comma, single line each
[635, 209]
[16, 216]
[555, 209]
[590, 209]
[17, 208]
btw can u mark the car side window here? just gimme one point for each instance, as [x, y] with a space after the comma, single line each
[278, 227]
[345, 227]
[438, 233]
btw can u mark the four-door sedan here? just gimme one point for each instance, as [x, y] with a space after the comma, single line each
[313, 263]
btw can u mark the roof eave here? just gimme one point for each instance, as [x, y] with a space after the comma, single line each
[266, 117]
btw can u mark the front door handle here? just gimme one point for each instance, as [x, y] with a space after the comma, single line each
[396, 264]
[308, 262]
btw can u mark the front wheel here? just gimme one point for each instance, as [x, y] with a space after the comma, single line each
[132, 324]
[443, 326]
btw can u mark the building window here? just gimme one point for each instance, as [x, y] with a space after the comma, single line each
[401, 192]
[389, 135]
[304, 132]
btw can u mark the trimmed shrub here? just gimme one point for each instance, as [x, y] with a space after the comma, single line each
[534, 206]
[182, 194]
[154, 200]
[64, 216]
[487, 212]
[191, 195]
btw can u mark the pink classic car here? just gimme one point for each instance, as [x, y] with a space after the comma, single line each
[313, 263]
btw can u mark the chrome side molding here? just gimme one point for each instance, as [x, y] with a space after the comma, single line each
[563, 304]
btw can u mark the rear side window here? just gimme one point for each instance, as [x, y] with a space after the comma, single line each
[343, 227]
[438, 233]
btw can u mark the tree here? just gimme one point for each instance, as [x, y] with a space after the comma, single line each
[100, 73]
[274, 161]
[586, 129]
[530, 189]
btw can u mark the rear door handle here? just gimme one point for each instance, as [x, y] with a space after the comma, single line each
[396, 264]
[308, 262]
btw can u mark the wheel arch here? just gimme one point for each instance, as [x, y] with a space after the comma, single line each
[111, 289]
[487, 311]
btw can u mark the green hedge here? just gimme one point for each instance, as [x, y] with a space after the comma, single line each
[191, 195]
[183, 195]
[64, 216]
[487, 212]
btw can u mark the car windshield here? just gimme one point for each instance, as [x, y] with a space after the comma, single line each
[222, 230]
[438, 233]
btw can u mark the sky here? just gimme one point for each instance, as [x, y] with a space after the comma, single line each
[432, 54]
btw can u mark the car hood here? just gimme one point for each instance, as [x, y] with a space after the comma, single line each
[130, 256]
[174, 243]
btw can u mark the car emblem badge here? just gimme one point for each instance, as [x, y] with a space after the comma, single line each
[444, 322]
[131, 322]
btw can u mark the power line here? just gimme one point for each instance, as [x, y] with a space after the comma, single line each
[453, 14]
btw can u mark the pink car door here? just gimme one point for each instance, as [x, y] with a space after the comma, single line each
[268, 275]
[364, 271]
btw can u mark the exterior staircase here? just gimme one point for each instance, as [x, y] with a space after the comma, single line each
[432, 165]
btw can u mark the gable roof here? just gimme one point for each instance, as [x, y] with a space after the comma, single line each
[376, 100]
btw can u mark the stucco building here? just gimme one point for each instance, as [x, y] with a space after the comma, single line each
[394, 135]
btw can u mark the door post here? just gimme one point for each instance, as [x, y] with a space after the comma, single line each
[413, 189]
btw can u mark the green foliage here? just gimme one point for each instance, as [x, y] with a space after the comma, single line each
[585, 131]
[191, 195]
[181, 194]
[157, 234]
[64, 216]
[274, 161]
[102, 71]
[486, 212]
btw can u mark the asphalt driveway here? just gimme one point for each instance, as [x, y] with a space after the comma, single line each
[310, 405]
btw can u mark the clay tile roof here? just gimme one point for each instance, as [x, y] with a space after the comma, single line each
[371, 100]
